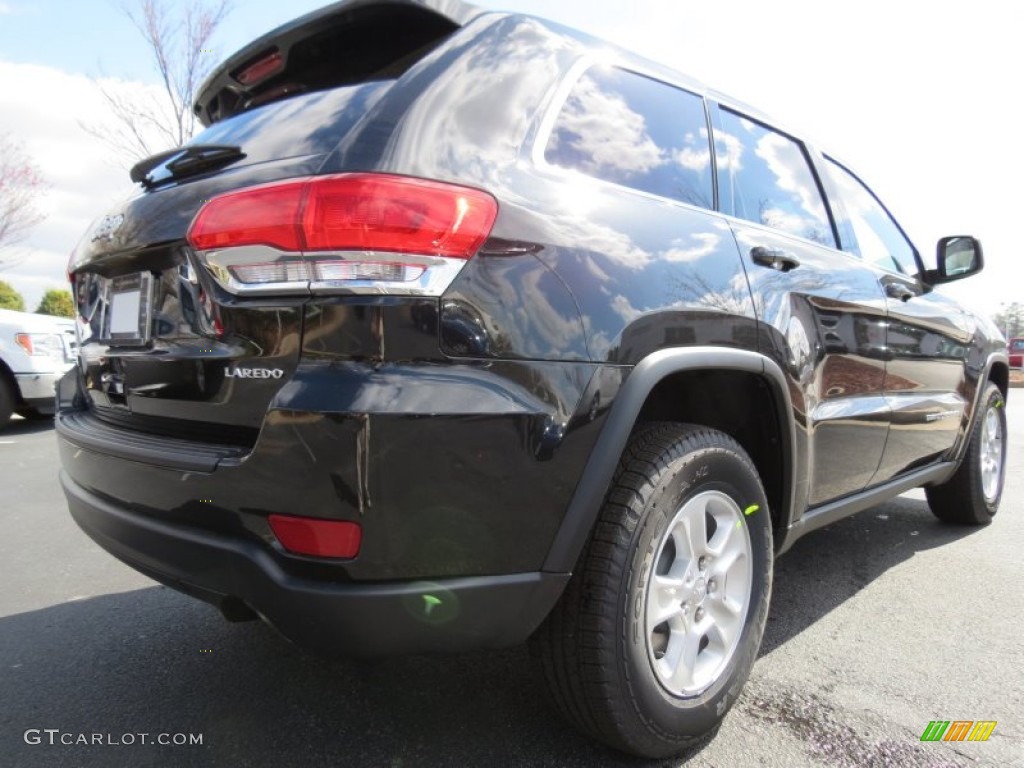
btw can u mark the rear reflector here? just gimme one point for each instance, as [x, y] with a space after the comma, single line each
[349, 212]
[317, 537]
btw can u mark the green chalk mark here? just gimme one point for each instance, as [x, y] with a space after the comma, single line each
[751, 510]
[429, 601]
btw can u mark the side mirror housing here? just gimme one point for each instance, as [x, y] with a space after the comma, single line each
[957, 257]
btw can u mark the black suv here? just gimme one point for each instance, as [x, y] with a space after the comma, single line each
[454, 329]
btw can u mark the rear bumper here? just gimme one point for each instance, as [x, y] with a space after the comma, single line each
[354, 619]
[451, 470]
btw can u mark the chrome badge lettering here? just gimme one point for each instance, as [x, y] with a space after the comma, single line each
[234, 372]
[106, 228]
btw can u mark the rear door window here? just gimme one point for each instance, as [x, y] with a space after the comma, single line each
[635, 131]
[765, 177]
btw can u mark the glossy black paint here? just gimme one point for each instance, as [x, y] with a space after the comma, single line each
[508, 304]
[451, 470]
[824, 324]
[182, 380]
[474, 433]
[927, 383]
[339, 43]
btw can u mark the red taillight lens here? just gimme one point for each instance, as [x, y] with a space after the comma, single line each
[316, 537]
[396, 214]
[350, 212]
[265, 215]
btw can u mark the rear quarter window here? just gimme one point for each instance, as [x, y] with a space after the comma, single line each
[635, 131]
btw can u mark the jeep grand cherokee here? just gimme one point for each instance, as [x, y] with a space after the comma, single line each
[456, 329]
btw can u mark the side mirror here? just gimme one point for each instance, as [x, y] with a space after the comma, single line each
[957, 257]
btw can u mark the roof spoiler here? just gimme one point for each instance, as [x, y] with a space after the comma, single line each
[283, 61]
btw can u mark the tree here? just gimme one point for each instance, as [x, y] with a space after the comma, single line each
[179, 44]
[20, 185]
[57, 302]
[1011, 320]
[10, 298]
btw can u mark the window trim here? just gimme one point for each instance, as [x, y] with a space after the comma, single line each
[841, 204]
[538, 151]
[717, 107]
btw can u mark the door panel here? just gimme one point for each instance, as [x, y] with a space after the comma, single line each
[824, 323]
[925, 383]
[821, 313]
[927, 335]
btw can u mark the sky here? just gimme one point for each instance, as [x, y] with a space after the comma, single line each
[919, 99]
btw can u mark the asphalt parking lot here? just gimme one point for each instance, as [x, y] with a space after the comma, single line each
[879, 624]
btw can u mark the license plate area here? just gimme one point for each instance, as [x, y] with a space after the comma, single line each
[128, 317]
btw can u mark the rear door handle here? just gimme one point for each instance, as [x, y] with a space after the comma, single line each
[775, 258]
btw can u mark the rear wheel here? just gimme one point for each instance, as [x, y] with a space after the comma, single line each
[661, 622]
[971, 496]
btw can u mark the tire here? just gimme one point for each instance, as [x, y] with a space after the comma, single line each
[6, 401]
[608, 668]
[971, 496]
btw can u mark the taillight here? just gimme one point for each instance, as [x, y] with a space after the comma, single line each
[377, 232]
[317, 537]
[257, 216]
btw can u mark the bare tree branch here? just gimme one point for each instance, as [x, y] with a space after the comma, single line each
[20, 184]
[178, 41]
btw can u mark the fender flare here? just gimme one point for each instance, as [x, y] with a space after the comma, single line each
[593, 485]
[986, 376]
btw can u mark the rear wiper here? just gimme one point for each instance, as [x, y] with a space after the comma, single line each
[185, 161]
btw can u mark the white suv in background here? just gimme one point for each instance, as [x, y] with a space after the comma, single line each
[35, 351]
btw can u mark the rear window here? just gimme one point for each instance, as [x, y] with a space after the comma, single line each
[310, 124]
[635, 131]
